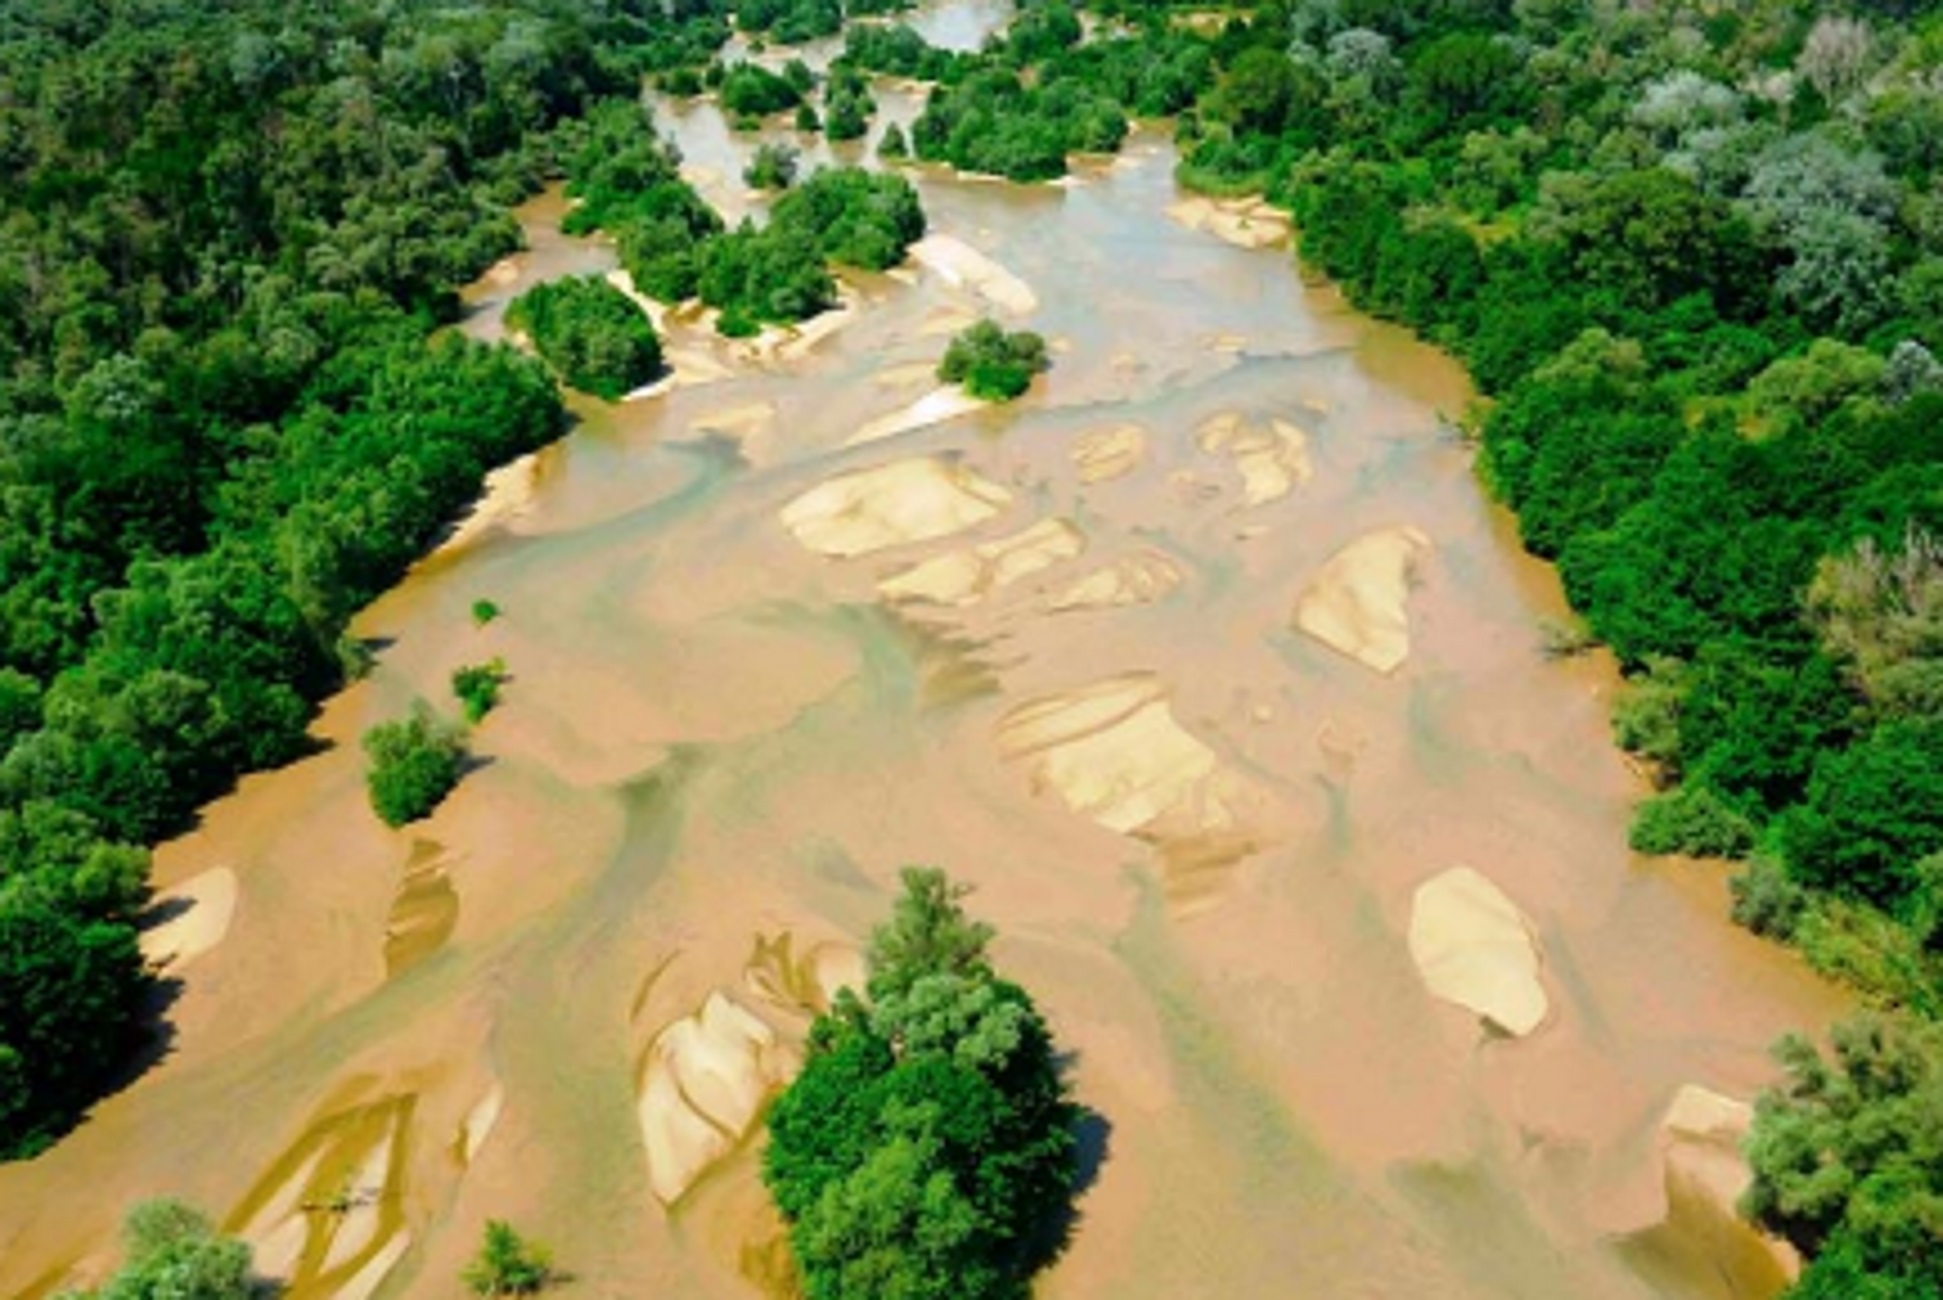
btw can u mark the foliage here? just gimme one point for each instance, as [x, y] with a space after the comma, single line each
[1848, 1159]
[751, 91]
[415, 762]
[590, 333]
[484, 611]
[175, 1253]
[477, 687]
[508, 1264]
[847, 103]
[773, 167]
[991, 363]
[927, 1148]
[994, 121]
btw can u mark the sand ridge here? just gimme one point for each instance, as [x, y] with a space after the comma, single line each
[935, 407]
[1105, 454]
[965, 577]
[1138, 579]
[1358, 602]
[1244, 222]
[962, 266]
[1273, 459]
[1475, 948]
[196, 915]
[913, 500]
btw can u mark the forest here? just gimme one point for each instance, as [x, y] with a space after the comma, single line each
[1692, 254]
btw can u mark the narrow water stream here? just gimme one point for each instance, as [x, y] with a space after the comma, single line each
[1199, 829]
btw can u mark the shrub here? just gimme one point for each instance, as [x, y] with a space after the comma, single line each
[173, 1251]
[477, 686]
[992, 364]
[1693, 819]
[508, 1264]
[484, 611]
[415, 762]
[773, 167]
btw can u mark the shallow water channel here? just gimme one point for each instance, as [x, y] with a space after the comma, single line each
[734, 710]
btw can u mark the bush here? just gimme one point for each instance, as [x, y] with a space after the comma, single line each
[1691, 819]
[415, 762]
[750, 90]
[477, 686]
[508, 1264]
[174, 1253]
[590, 333]
[992, 364]
[483, 612]
[773, 167]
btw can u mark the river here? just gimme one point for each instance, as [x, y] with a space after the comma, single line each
[720, 733]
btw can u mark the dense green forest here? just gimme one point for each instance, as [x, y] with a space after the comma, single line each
[227, 232]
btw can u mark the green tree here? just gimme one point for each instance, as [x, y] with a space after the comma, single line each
[175, 1253]
[927, 1148]
[415, 762]
[591, 333]
[991, 363]
[1847, 1159]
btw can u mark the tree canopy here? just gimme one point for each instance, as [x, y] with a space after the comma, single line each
[927, 1149]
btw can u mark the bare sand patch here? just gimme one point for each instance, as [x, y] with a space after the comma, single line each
[1273, 458]
[480, 1122]
[965, 577]
[1113, 752]
[962, 266]
[1475, 948]
[506, 495]
[1138, 579]
[911, 500]
[197, 914]
[703, 1081]
[1358, 602]
[935, 407]
[1244, 222]
[1701, 1141]
[1105, 454]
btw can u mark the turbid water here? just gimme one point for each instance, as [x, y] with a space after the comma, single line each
[738, 702]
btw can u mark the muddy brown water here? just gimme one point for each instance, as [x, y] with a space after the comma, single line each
[714, 737]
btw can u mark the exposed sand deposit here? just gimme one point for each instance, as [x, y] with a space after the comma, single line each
[1138, 579]
[1358, 602]
[703, 1081]
[935, 407]
[507, 495]
[905, 501]
[1475, 948]
[1106, 454]
[1113, 752]
[1245, 222]
[968, 576]
[1273, 459]
[962, 266]
[191, 919]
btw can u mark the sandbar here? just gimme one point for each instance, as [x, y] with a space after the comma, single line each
[1105, 454]
[967, 576]
[1358, 602]
[962, 266]
[910, 500]
[198, 912]
[1475, 948]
